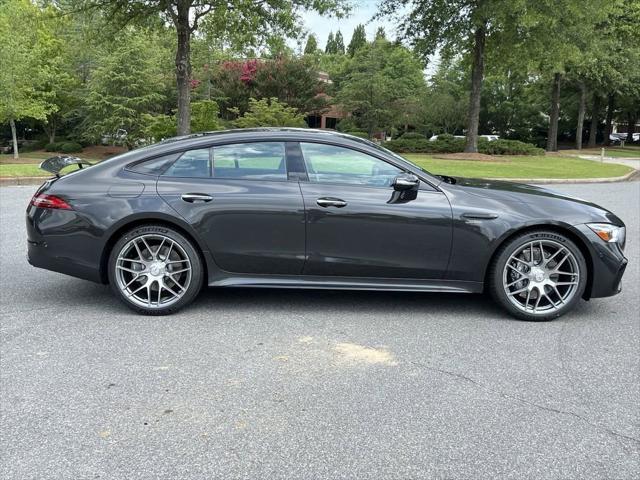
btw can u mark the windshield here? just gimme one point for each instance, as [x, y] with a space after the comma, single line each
[400, 157]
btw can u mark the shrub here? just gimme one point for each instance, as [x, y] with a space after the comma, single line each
[509, 147]
[347, 125]
[446, 137]
[70, 147]
[32, 145]
[204, 116]
[449, 144]
[269, 112]
[412, 136]
[158, 127]
[52, 147]
[358, 133]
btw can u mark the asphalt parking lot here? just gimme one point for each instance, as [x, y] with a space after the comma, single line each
[314, 384]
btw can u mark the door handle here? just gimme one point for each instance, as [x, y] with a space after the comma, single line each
[196, 197]
[331, 202]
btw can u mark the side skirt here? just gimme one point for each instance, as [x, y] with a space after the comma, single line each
[348, 283]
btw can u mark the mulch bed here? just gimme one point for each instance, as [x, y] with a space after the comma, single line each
[102, 151]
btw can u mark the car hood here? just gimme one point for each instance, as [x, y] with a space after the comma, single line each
[505, 191]
[520, 192]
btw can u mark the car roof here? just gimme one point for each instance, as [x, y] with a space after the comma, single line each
[259, 132]
[206, 139]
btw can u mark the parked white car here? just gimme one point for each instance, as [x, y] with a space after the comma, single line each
[490, 138]
[622, 137]
[435, 137]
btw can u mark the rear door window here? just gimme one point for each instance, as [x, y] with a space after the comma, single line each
[250, 161]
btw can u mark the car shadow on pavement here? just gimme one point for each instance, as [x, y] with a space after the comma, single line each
[73, 294]
[353, 301]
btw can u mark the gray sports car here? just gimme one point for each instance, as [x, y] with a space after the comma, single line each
[302, 208]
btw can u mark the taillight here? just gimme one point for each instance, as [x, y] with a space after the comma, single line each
[49, 201]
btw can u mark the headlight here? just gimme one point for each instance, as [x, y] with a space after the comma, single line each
[608, 232]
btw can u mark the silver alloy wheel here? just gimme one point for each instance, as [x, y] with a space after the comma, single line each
[153, 271]
[541, 277]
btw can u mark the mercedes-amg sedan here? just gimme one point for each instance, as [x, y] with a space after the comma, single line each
[315, 209]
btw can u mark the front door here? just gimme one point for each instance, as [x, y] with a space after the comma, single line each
[359, 225]
[239, 199]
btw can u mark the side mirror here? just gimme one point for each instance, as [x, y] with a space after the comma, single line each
[406, 181]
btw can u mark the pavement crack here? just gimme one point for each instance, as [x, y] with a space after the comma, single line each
[523, 401]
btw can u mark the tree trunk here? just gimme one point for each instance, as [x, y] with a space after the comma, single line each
[477, 73]
[631, 126]
[554, 114]
[183, 69]
[50, 129]
[581, 109]
[611, 104]
[593, 129]
[14, 138]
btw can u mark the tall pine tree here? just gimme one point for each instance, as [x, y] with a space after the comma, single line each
[312, 45]
[331, 44]
[339, 43]
[358, 40]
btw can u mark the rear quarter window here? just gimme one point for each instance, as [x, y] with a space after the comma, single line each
[154, 166]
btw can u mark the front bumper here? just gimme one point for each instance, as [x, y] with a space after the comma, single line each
[608, 264]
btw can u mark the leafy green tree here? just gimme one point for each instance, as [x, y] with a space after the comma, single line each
[377, 82]
[339, 43]
[380, 33]
[358, 40]
[443, 108]
[158, 127]
[459, 25]
[247, 21]
[205, 116]
[122, 89]
[25, 59]
[312, 45]
[331, 47]
[269, 113]
[293, 81]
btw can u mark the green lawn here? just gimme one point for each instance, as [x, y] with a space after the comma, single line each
[521, 167]
[622, 152]
[27, 170]
[632, 151]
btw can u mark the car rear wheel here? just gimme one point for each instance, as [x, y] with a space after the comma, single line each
[155, 270]
[538, 276]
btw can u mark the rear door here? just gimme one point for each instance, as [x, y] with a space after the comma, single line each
[359, 225]
[240, 200]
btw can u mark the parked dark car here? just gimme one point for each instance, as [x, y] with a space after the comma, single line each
[312, 209]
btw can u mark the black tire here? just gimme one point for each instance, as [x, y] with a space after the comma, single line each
[496, 275]
[183, 247]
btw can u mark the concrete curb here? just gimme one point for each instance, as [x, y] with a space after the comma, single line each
[12, 181]
[623, 178]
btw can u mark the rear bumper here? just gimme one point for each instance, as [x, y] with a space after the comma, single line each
[39, 255]
[608, 265]
[59, 250]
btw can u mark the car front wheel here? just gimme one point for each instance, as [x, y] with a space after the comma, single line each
[155, 270]
[539, 275]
